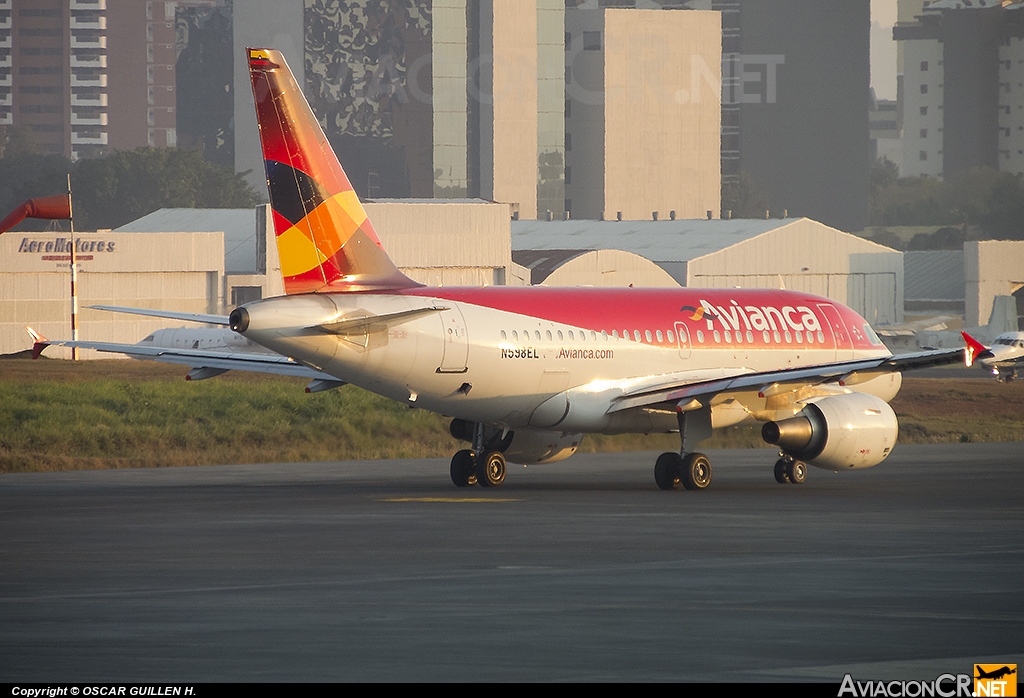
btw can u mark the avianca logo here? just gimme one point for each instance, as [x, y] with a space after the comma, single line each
[752, 317]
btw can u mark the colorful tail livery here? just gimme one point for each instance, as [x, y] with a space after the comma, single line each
[324, 239]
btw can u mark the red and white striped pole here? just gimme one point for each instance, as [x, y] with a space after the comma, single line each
[74, 277]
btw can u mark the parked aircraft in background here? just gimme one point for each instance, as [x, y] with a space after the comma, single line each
[208, 352]
[526, 372]
[1005, 356]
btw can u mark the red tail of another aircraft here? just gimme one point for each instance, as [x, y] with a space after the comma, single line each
[324, 239]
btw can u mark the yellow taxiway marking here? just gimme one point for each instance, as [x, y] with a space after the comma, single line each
[445, 500]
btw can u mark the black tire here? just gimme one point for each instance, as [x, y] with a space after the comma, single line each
[666, 471]
[463, 469]
[490, 470]
[797, 472]
[781, 471]
[696, 471]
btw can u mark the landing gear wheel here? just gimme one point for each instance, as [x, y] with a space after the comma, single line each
[695, 472]
[797, 472]
[781, 474]
[490, 469]
[666, 471]
[463, 469]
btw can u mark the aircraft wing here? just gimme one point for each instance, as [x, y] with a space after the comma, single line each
[206, 364]
[676, 392]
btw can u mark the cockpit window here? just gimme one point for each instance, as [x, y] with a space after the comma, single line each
[149, 339]
[872, 337]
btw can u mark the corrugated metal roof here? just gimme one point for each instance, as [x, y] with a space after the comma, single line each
[658, 241]
[237, 224]
[542, 262]
[933, 275]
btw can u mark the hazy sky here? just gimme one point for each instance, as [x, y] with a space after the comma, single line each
[883, 48]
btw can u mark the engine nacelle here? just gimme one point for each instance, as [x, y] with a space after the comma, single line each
[842, 431]
[523, 446]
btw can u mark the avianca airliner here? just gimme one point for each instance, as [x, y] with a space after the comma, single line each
[524, 373]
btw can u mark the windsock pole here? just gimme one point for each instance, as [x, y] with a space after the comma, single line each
[74, 277]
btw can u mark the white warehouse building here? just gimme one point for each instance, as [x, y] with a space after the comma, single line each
[796, 253]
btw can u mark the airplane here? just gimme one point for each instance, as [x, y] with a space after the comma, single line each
[208, 352]
[1005, 356]
[996, 673]
[525, 372]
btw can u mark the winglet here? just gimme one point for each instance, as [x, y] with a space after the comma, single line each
[39, 342]
[973, 349]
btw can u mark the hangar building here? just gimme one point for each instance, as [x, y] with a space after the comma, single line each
[796, 253]
[209, 260]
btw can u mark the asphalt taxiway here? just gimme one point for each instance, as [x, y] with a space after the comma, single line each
[580, 570]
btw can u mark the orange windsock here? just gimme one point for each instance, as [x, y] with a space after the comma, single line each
[52, 207]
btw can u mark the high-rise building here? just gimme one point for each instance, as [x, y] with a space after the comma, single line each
[643, 114]
[963, 88]
[432, 98]
[77, 96]
[796, 80]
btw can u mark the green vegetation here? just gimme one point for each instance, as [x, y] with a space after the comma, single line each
[125, 185]
[976, 205]
[57, 415]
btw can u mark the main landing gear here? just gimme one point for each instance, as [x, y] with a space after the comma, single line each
[692, 471]
[483, 465]
[488, 469]
[788, 470]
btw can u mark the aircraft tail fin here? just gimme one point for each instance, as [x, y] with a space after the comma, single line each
[39, 342]
[324, 239]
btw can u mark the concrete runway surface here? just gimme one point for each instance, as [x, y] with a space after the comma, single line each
[576, 571]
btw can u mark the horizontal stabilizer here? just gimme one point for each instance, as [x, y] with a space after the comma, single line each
[169, 314]
[366, 324]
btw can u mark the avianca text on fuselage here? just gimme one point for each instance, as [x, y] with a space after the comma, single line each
[766, 317]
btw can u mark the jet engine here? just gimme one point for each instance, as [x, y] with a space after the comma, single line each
[522, 446]
[841, 431]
